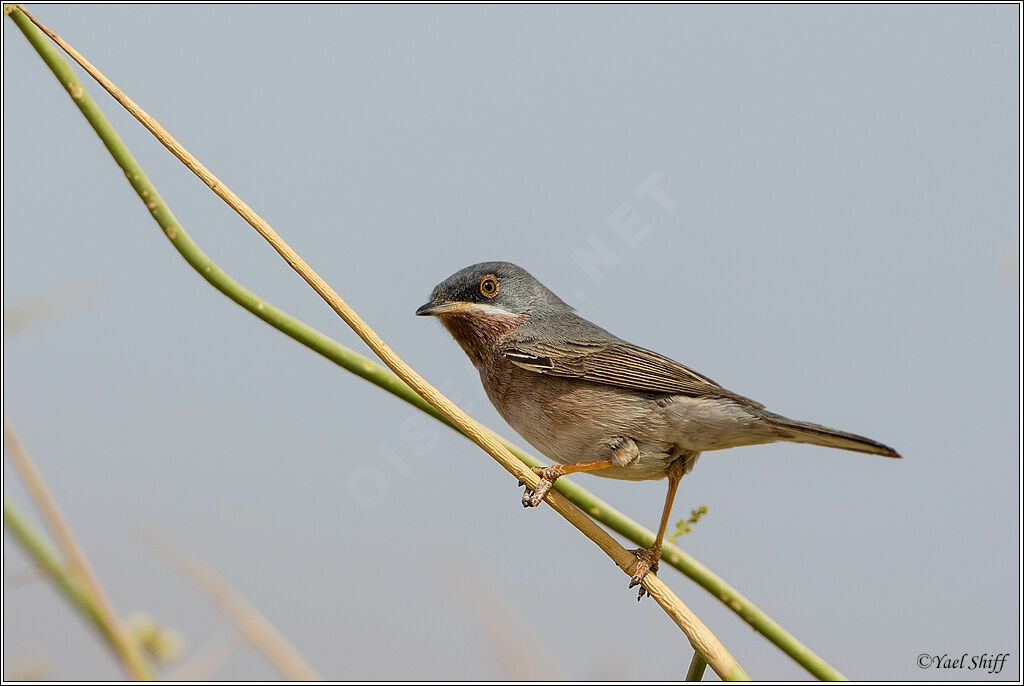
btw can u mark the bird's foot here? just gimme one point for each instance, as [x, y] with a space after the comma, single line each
[533, 498]
[648, 558]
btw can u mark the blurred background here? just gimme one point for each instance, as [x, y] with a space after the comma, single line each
[835, 234]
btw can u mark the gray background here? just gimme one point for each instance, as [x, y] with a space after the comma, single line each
[843, 247]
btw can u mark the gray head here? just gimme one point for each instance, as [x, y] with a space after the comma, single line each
[495, 288]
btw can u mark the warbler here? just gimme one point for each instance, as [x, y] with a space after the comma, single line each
[593, 402]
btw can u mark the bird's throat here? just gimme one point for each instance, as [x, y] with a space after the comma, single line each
[478, 333]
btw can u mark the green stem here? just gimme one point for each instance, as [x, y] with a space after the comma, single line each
[697, 666]
[35, 545]
[382, 377]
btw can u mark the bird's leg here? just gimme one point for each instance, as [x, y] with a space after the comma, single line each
[623, 451]
[649, 556]
[549, 474]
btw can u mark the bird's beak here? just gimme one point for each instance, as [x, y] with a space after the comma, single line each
[432, 309]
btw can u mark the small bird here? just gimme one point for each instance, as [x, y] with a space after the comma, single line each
[593, 402]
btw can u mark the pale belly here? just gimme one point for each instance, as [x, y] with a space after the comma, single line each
[570, 421]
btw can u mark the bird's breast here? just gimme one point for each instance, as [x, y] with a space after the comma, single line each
[570, 420]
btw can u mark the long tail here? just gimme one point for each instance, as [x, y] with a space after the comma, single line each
[805, 432]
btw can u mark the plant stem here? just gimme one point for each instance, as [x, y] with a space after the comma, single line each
[125, 646]
[369, 370]
[697, 633]
[697, 666]
[251, 624]
[34, 543]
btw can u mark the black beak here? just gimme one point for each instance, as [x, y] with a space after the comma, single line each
[432, 309]
[425, 310]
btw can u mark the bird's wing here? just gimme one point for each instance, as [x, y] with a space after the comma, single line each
[614, 363]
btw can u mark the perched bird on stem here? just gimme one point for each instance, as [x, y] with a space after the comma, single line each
[593, 402]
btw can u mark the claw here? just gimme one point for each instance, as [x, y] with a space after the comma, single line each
[648, 565]
[533, 498]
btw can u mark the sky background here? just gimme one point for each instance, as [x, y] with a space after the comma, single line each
[838, 239]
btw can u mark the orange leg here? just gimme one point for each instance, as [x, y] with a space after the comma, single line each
[649, 556]
[548, 475]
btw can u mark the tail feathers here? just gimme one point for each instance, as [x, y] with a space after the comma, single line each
[805, 432]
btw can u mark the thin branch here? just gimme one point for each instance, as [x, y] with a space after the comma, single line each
[699, 635]
[501, 628]
[25, 313]
[77, 562]
[250, 623]
[697, 666]
[369, 370]
[23, 577]
[39, 550]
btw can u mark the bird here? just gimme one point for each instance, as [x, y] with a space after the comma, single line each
[593, 402]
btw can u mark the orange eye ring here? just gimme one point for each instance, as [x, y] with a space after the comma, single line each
[489, 286]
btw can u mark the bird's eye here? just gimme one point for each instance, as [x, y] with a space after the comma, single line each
[489, 286]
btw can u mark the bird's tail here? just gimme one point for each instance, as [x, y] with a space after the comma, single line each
[805, 432]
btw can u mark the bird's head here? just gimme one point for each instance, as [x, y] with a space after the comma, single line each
[481, 303]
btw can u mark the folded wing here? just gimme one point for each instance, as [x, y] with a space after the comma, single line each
[615, 363]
